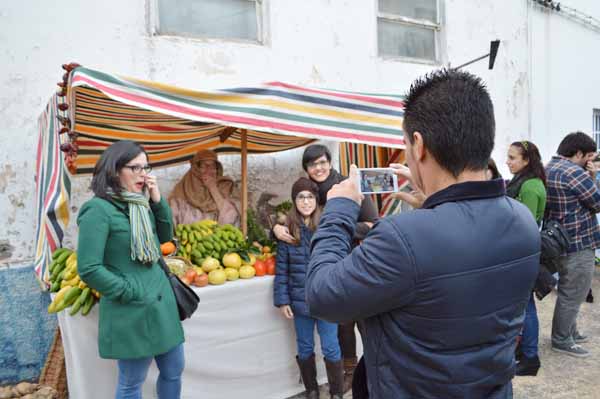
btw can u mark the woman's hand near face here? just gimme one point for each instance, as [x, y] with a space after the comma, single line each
[153, 188]
[209, 181]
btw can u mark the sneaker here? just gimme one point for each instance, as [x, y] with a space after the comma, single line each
[572, 350]
[580, 339]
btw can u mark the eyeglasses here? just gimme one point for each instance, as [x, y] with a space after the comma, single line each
[314, 165]
[138, 168]
[302, 198]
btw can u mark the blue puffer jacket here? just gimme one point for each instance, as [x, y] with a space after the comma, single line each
[442, 290]
[292, 262]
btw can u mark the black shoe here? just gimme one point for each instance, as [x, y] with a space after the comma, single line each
[528, 366]
[590, 297]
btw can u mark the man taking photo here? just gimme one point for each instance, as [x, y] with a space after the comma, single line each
[443, 288]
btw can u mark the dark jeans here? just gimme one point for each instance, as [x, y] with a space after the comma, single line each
[347, 338]
[531, 330]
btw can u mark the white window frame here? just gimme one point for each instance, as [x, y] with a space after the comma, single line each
[596, 126]
[261, 31]
[422, 23]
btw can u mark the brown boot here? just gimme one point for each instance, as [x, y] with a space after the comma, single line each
[349, 366]
[335, 378]
[308, 371]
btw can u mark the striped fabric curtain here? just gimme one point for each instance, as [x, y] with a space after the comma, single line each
[53, 187]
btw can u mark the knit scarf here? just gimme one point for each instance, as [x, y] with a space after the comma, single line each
[143, 245]
[334, 178]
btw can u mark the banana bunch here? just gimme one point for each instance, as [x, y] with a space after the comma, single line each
[65, 280]
[207, 238]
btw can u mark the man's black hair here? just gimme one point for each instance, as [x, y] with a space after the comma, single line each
[112, 160]
[575, 142]
[313, 152]
[454, 113]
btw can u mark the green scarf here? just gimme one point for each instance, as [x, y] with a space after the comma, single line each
[143, 245]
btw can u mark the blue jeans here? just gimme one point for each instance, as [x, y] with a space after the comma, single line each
[132, 374]
[305, 338]
[531, 330]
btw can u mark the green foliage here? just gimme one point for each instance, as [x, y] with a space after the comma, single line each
[256, 232]
[284, 207]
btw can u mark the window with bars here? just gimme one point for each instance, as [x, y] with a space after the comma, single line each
[221, 19]
[596, 127]
[408, 29]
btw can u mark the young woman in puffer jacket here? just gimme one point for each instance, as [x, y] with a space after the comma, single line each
[289, 295]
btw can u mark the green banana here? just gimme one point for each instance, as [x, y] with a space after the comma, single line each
[88, 305]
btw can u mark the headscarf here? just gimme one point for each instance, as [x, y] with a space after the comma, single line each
[191, 189]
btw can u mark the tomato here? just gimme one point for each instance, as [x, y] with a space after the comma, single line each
[271, 265]
[261, 267]
[201, 280]
[190, 274]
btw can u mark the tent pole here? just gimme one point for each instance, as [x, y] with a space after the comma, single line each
[244, 182]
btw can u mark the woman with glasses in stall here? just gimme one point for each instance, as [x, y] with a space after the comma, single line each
[120, 231]
[316, 162]
[204, 193]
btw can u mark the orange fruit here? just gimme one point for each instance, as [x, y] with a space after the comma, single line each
[167, 248]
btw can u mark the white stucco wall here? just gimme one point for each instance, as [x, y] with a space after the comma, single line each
[326, 43]
[565, 75]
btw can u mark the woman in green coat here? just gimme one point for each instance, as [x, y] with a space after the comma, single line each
[528, 186]
[120, 231]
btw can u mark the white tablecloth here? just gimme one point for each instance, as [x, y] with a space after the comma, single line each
[237, 346]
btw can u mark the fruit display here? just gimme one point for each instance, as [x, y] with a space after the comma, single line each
[66, 283]
[209, 253]
[207, 238]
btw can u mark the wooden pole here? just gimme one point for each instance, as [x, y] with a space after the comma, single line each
[244, 182]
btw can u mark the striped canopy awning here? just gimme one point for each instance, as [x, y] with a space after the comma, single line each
[174, 123]
[94, 109]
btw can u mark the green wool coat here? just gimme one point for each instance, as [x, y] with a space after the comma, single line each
[138, 312]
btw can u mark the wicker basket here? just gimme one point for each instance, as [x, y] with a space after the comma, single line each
[54, 373]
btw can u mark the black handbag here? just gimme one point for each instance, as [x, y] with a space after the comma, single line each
[555, 242]
[187, 300]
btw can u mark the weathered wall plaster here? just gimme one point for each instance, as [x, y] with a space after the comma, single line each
[314, 42]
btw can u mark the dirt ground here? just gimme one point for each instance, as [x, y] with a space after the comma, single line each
[561, 376]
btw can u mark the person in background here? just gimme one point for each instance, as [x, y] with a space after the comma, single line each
[528, 186]
[316, 161]
[289, 297]
[492, 170]
[204, 193]
[441, 293]
[118, 254]
[573, 201]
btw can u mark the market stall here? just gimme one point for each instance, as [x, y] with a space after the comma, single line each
[237, 345]
[236, 342]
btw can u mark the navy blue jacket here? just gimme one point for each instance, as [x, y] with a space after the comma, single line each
[442, 290]
[290, 277]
